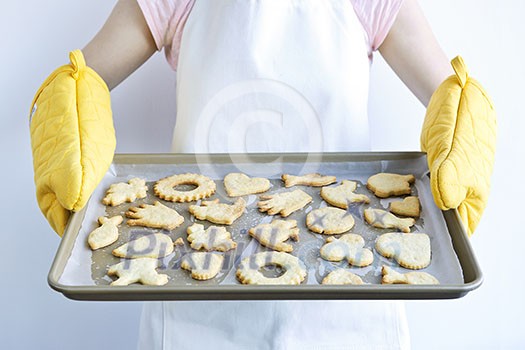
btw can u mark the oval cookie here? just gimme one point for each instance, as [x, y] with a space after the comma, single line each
[342, 276]
[329, 221]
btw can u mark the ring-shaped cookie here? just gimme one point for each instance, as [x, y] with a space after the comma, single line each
[165, 188]
[248, 270]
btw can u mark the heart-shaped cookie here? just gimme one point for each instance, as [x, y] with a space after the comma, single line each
[410, 250]
[238, 184]
[409, 206]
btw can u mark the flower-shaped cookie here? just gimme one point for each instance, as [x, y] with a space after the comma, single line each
[249, 272]
[165, 188]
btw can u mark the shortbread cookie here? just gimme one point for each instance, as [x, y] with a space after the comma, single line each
[237, 184]
[284, 203]
[343, 195]
[409, 206]
[410, 250]
[218, 213]
[178, 241]
[248, 270]
[329, 221]
[155, 216]
[386, 184]
[390, 276]
[106, 234]
[165, 188]
[213, 238]
[308, 180]
[350, 247]
[203, 266]
[275, 234]
[137, 270]
[342, 276]
[383, 219]
[125, 192]
[153, 245]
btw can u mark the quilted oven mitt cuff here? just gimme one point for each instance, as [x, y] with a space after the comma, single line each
[72, 139]
[459, 136]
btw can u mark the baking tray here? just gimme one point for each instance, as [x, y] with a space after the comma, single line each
[79, 274]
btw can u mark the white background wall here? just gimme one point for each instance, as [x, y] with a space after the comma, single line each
[35, 39]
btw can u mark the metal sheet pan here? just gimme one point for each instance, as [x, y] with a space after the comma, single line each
[80, 274]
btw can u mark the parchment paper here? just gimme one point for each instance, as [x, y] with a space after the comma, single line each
[86, 267]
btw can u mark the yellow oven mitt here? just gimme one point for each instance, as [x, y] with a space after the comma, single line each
[72, 139]
[459, 136]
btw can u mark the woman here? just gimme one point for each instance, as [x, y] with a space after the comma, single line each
[271, 75]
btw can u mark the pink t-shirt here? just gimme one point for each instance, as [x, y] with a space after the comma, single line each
[166, 20]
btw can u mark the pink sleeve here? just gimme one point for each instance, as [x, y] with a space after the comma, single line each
[166, 20]
[377, 17]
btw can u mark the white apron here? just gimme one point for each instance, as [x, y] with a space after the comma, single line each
[262, 76]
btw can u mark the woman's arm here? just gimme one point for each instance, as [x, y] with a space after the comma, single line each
[122, 45]
[414, 54]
